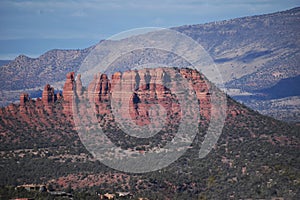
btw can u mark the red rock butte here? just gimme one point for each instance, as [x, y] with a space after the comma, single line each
[139, 89]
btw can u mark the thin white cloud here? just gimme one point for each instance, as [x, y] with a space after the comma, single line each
[142, 4]
[98, 19]
[79, 13]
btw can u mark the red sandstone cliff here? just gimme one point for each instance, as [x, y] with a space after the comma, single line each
[140, 90]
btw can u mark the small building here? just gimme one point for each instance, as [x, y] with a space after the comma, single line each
[33, 187]
[124, 194]
[61, 194]
[107, 196]
[22, 199]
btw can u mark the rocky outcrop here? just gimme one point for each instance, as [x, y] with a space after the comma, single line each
[141, 95]
[79, 88]
[147, 97]
[43, 110]
[101, 94]
[48, 95]
[68, 93]
[24, 97]
[132, 95]
[138, 96]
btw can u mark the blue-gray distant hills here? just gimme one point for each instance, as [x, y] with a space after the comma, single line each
[4, 62]
[257, 56]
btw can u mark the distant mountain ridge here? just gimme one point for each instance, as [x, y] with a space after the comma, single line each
[252, 53]
[284, 88]
[4, 62]
[24, 72]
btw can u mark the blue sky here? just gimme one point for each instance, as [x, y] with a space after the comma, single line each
[32, 27]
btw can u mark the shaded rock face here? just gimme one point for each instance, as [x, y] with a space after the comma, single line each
[149, 101]
[24, 97]
[68, 93]
[68, 87]
[141, 96]
[138, 96]
[48, 95]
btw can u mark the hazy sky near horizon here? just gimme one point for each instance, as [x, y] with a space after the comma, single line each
[32, 27]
